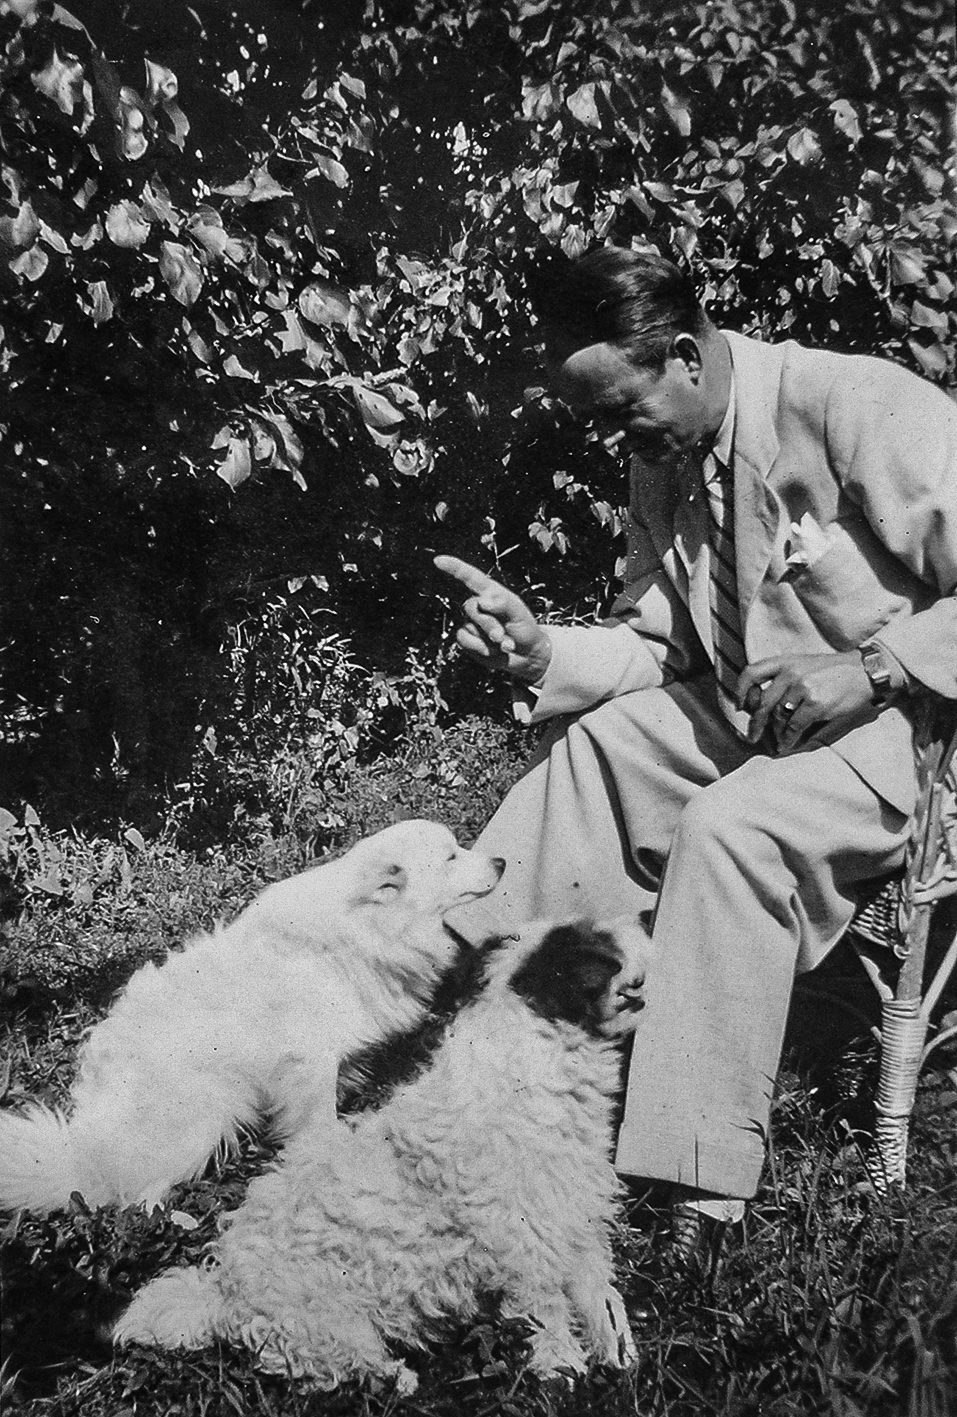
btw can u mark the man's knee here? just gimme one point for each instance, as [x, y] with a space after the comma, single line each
[720, 815]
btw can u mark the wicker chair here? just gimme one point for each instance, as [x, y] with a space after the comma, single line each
[890, 935]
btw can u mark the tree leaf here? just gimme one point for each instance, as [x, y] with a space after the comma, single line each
[929, 318]
[846, 121]
[155, 201]
[235, 370]
[162, 86]
[289, 452]
[804, 147]
[354, 86]
[323, 303]
[583, 106]
[181, 272]
[377, 412]
[207, 228]
[676, 110]
[830, 278]
[60, 80]
[237, 465]
[661, 191]
[22, 230]
[179, 124]
[332, 170]
[259, 186]
[102, 303]
[31, 263]
[907, 264]
[932, 358]
[127, 225]
[132, 122]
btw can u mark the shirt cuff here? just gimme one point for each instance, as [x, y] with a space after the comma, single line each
[524, 700]
[899, 677]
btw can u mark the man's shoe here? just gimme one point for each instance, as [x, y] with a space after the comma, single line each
[699, 1222]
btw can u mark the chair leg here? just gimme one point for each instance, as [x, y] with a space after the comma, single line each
[903, 1031]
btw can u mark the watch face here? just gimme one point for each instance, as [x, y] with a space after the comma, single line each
[878, 673]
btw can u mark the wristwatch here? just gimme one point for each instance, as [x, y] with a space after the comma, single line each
[878, 672]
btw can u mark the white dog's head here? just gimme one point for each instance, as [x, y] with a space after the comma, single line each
[400, 880]
[578, 971]
[419, 865]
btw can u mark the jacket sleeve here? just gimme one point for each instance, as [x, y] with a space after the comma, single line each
[648, 640]
[892, 438]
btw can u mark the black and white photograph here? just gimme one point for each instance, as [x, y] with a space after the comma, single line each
[478, 708]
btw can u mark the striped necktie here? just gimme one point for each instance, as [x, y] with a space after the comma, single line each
[727, 639]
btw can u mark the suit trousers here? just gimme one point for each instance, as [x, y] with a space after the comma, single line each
[650, 802]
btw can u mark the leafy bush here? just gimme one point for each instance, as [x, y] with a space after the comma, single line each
[298, 265]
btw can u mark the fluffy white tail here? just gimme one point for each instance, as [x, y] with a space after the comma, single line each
[181, 1308]
[39, 1164]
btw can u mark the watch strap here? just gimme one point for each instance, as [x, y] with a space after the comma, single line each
[878, 669]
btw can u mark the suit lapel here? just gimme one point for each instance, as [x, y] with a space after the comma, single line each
[691, 536]
[677, 519]
[757, 508]
[678, 523]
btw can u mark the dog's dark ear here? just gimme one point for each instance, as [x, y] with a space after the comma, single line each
[387, 881]
[568, 975]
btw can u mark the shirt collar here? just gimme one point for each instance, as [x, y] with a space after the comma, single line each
[723, 445]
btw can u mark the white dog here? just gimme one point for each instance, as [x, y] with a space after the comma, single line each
[489, 1172]
[252, 1019]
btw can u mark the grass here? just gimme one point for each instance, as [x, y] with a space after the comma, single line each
[830, 1300]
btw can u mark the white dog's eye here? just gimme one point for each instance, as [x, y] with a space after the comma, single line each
[393, 880]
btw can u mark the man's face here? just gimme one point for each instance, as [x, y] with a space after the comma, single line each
[657, 413]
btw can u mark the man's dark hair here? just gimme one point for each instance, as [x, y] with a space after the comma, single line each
[637, 300]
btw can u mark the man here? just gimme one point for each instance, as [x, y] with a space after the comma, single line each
[733, 747]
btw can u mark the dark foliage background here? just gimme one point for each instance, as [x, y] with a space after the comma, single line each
[264, 338]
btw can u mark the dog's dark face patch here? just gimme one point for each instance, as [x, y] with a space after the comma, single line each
[568, 976]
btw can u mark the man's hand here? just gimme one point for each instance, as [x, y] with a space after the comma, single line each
[808, 699]
[500, 631]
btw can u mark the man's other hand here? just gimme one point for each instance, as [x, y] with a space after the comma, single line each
[808, 699]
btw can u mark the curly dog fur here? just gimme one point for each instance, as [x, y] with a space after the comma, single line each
[490, 1173]
[253, 1019]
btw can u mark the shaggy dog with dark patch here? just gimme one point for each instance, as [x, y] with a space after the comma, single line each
[251, 1020]
[488, 1173]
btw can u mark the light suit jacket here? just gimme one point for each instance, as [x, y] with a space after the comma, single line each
[870, 450]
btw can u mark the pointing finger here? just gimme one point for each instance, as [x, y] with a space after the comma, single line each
[470, 576]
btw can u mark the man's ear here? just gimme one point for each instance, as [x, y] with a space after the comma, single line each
[686, 349]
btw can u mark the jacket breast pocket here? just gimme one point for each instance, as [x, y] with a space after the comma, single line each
[854, 585]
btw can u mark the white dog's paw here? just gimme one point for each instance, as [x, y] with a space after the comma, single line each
[396, 1375]
[179, 1309]
[553, 1358]
[620, 1351]
[406, 1382]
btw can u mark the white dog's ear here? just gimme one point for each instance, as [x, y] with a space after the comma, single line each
[388, 882]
